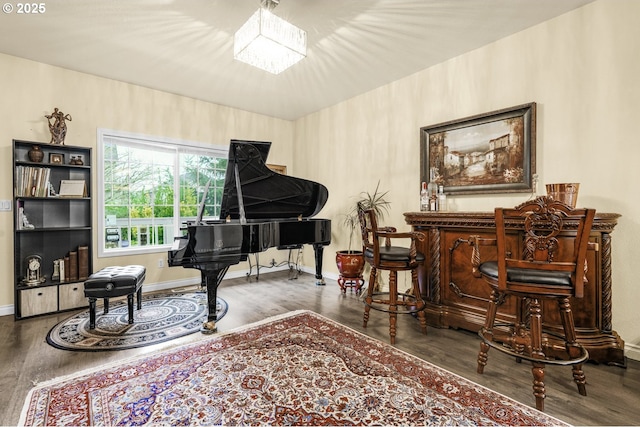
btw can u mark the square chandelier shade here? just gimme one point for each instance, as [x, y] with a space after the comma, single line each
[269, 42]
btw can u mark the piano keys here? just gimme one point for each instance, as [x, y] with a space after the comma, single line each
[260, 209]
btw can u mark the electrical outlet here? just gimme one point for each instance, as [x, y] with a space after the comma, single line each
[160, 263]
[5, 205]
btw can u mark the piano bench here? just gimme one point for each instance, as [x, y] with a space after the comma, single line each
[112, 282]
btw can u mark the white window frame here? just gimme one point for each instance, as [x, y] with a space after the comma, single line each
[141, 139]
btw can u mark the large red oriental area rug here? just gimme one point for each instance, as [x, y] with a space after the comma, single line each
[297, 369]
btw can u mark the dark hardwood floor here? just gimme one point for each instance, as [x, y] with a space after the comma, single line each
[613, 392]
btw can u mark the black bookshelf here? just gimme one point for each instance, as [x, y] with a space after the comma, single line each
[52, 225]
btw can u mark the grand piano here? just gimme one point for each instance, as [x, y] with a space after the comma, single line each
[260, 209]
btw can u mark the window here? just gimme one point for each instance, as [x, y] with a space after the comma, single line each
[148, 187]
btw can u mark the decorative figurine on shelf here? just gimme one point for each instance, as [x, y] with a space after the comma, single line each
[35, 154]
[52, 191]
[58, 128]
[76, 160]
[23, 221]
[56, 270]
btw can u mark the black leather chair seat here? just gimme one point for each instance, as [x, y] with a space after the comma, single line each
[524, 275]
[394, 254]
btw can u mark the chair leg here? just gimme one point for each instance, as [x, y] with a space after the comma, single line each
[105, 304]
[393, 305]
[573, 348]
[538, 385]
[535, 319]
[488, 330]
[521, 328]
[580, 378]
[369, 298]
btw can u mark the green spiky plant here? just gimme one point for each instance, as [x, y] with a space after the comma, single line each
[375, 201]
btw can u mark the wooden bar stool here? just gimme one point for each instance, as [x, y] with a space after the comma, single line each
[386, 256]
[548, 264]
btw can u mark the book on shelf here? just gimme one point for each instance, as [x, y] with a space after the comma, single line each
[73, 266]
[19, 214]
[63, 273]
[83, 262]
[32, 181]
[67, 270]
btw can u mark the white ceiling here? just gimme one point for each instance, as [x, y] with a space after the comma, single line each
[186, 46]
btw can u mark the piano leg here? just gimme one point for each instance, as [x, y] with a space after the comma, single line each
[318, 249]
[212, 279]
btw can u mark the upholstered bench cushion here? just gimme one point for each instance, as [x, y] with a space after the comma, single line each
[114, 281]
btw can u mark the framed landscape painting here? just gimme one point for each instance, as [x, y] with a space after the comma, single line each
[487, 153]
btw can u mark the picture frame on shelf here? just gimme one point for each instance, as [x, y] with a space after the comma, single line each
[493, 152]
[56, 158]
[72, 188]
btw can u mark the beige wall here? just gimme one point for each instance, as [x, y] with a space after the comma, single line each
[29, 90]
[581, 69]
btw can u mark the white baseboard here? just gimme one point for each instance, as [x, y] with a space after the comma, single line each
[174, 284]
[6, 310]
[312, 270]
[632, 351]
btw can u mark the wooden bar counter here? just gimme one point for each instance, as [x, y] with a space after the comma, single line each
[457, 299]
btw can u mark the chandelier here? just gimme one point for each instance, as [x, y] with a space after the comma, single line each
[269, 42]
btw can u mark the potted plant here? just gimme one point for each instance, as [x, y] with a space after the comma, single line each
[350, 262]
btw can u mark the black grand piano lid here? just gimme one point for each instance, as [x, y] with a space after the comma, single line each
[266, 193]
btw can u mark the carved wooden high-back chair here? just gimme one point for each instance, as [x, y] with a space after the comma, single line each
[381, 254]
[549, 262]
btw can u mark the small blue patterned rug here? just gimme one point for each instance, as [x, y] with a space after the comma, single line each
[163, 317]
